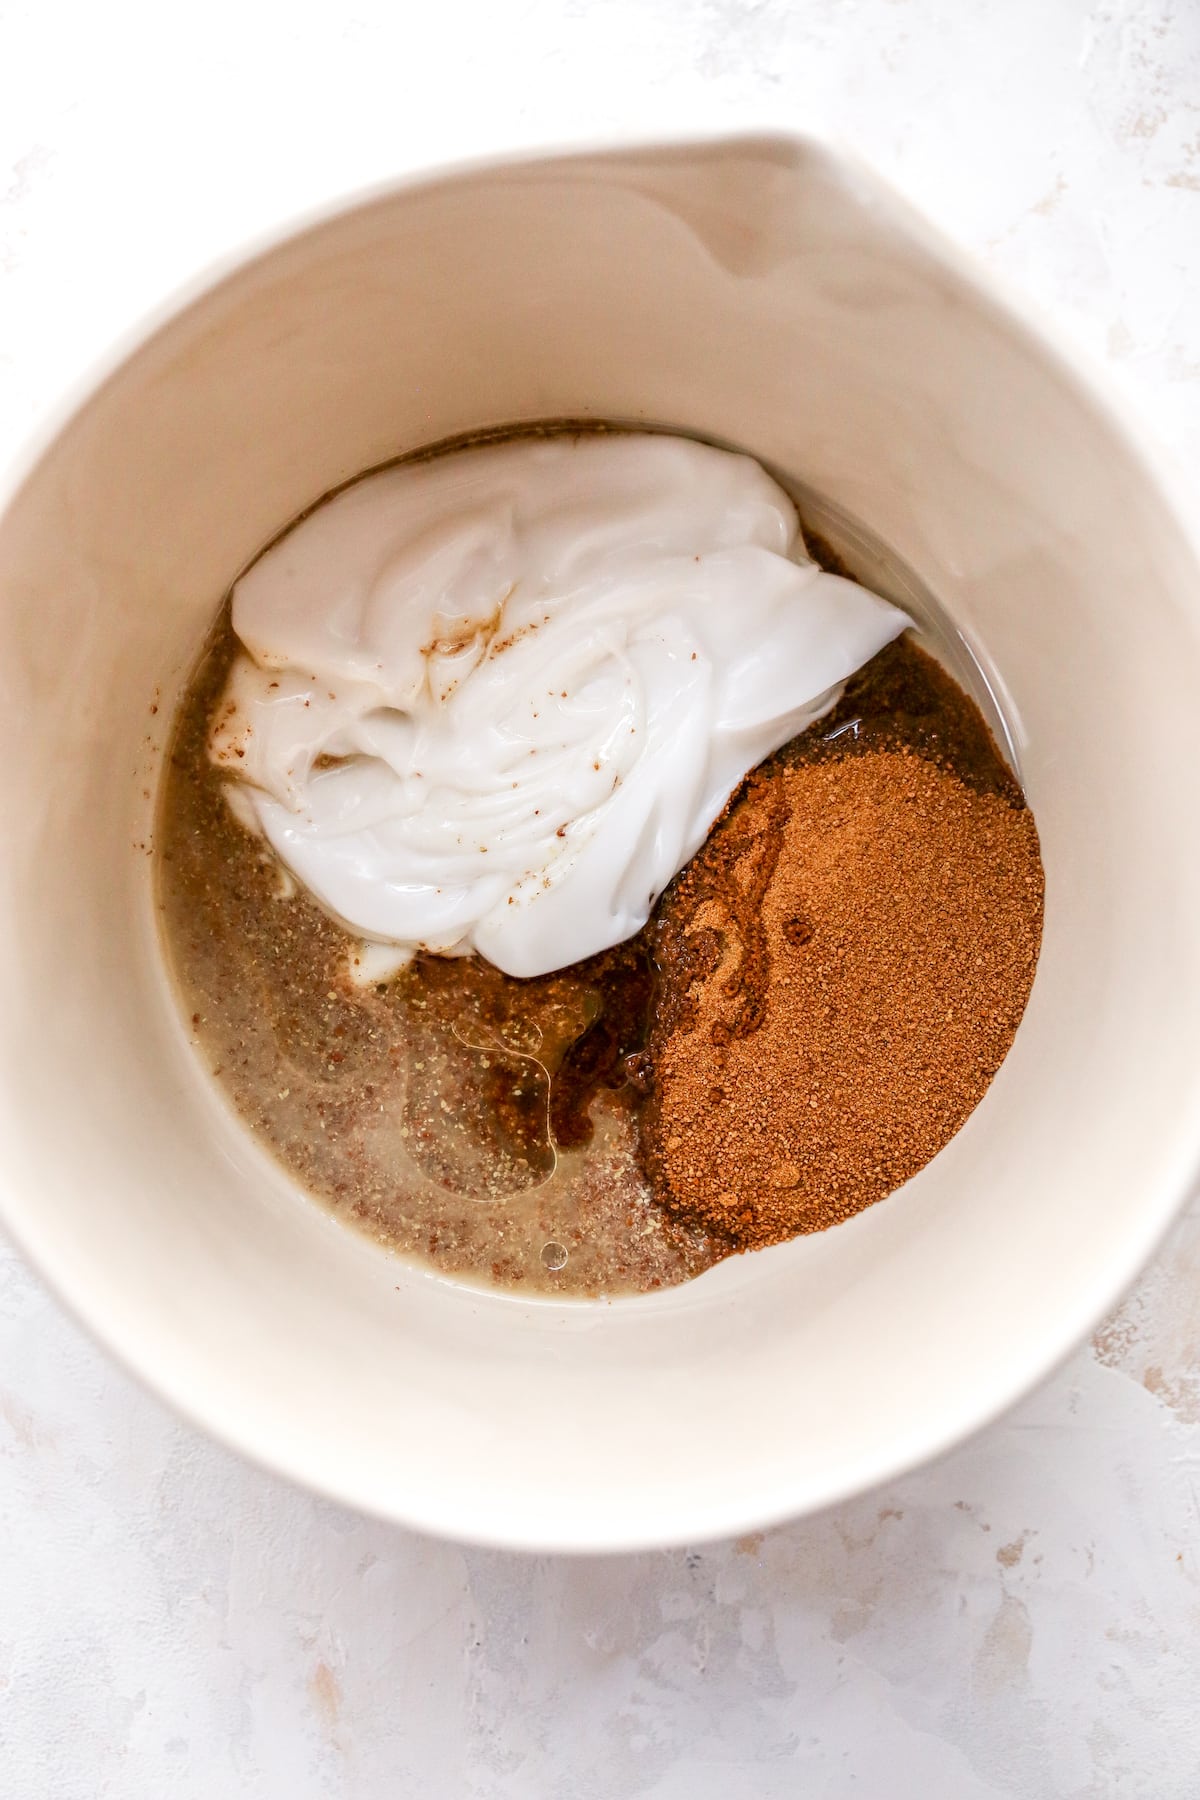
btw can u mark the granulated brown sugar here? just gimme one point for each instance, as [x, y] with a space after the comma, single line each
[847, 960]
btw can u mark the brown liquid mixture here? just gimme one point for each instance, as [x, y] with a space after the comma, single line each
[529, 1133]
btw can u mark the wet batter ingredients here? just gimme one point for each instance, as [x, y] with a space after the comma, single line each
[813, 1007]
[505, 1130]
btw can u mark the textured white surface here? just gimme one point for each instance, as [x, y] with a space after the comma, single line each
[1023, 1620]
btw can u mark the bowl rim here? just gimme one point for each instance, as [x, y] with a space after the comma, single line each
[1093, 384]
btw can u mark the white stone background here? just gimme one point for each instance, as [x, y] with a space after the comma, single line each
[1021, 1620]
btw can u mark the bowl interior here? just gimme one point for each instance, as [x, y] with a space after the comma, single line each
[760, 292]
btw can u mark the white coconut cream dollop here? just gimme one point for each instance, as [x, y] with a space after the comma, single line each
[495, 700]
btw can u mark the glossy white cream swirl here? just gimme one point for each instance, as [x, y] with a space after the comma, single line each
[494, 701]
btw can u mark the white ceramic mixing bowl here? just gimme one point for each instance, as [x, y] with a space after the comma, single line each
[762, 291]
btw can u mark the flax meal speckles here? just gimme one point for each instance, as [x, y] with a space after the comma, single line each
[819, 1001]
[457, 1115]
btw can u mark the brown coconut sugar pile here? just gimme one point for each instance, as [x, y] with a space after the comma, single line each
[850, 956]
